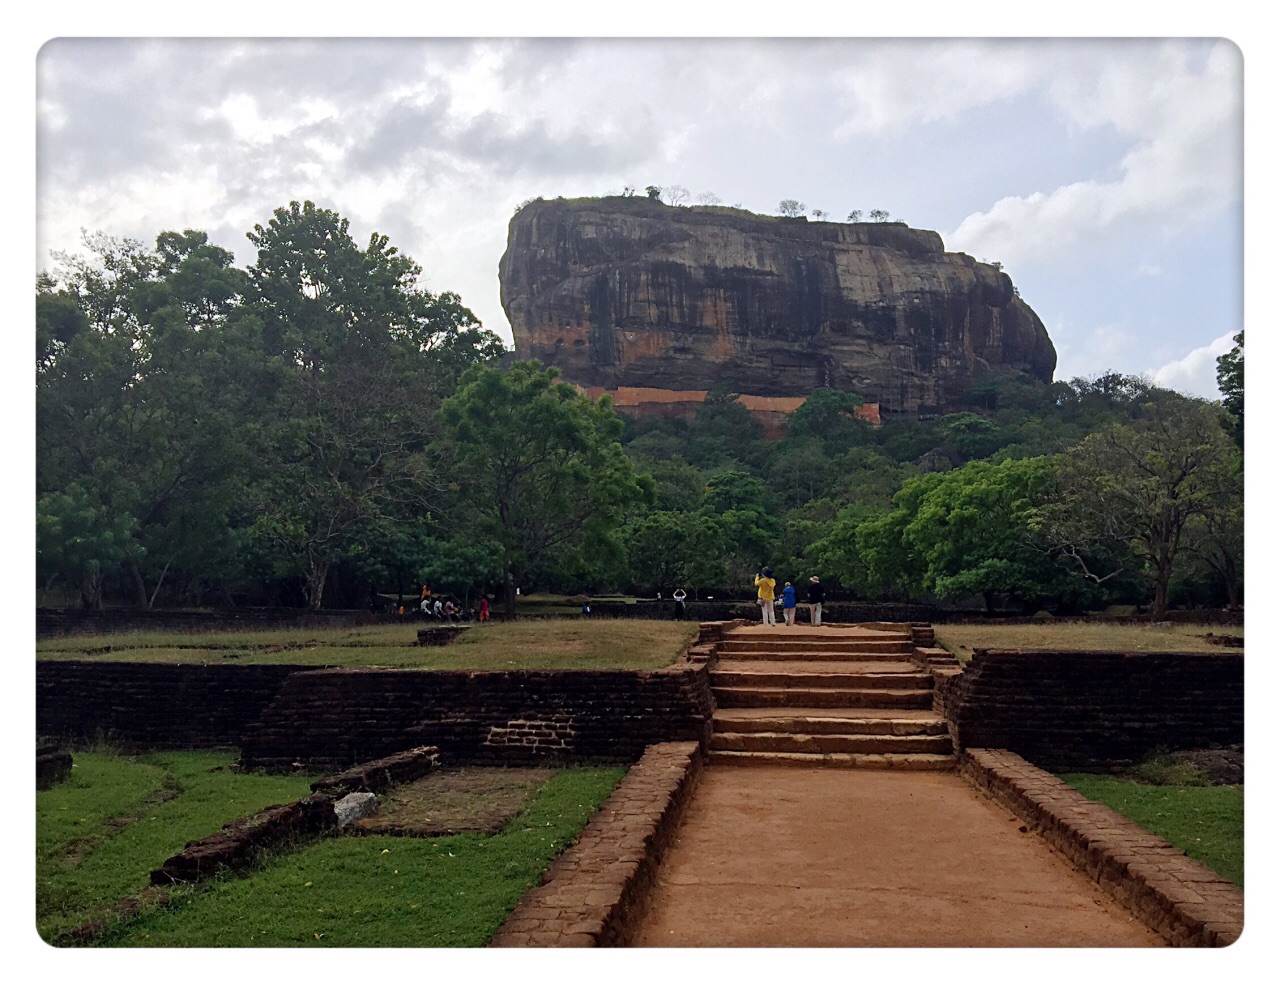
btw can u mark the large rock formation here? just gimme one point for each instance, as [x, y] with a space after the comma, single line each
[630, 293]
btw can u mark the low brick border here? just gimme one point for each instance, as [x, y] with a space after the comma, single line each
[1179, 898]
[53, 764]
[594, 894]
[239, 840]
[403, 767]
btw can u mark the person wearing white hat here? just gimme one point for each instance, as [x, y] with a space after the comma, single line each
[816, 595]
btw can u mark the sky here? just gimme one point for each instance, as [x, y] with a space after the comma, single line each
[1106, 175]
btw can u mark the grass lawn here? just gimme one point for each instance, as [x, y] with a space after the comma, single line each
[551, 644]
[100, 833]
[1205, 822]
[382, 891]
[1076, 635]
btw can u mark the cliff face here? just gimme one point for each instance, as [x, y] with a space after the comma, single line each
[627, 292]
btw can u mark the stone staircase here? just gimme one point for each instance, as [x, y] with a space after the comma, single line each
[826, 696]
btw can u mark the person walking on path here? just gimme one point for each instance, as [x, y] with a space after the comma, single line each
[816, 596]
[764, 591]
[484, 608]
[789, 605]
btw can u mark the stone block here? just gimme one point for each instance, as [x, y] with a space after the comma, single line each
[354, 806]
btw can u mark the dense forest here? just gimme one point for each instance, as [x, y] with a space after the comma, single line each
[319, 430]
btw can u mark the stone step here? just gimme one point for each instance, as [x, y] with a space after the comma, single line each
[841, 760]
[766, 676]
[831, 721]
[822, 744]
[832, 697]
[803, 629]
[832, 656]
[794, 645]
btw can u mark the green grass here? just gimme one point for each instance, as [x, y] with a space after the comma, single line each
[1068, 634]
[100, 833]
[377, 891]
[552, 644]
[1205, 822]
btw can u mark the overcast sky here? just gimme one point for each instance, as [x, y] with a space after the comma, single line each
[1106, 175]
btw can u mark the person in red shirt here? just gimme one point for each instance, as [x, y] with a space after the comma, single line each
[484, 608]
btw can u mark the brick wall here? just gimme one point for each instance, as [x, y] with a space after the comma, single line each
[153, 705]
[1094, 710]
[1181, 899]
[333, 718]
[65, 622]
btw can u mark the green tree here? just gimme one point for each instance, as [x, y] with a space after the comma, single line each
[972, 435]
[745, 510]
[141, 395]
[829, 415]
[1131, 490]
[724, 430]
[791, 208]
[79, 539]
[1231, 386]
[354, 345]
[974, 532]
[667, 550]
[540, 465]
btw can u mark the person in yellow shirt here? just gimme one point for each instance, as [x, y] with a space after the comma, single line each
[764, 589]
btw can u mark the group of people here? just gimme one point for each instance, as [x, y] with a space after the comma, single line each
[765, 592]
[445, 610]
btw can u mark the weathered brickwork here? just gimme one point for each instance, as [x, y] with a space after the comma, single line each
[1093, 711]
[594, 894]
[403, 767]
[64, 622]
[153, 705]
[552, 735]
[53, 764]
[238, 842]
[1181, 899]
[332, 718]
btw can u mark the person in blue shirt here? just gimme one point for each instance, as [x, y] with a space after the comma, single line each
[788, 605]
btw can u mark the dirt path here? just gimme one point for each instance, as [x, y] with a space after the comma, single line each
[787, 856]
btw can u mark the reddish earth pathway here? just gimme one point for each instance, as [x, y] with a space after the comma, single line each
[771, 856]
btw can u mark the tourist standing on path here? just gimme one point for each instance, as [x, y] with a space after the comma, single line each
[764, 591]
[816, 596]
[484, 608]
[448, 611]
[679, 596]
[788, 605]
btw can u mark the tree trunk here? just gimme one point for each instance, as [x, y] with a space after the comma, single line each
[91, 590]
[509, 592]
[317, 571]
[140, 598]
[1161, 601]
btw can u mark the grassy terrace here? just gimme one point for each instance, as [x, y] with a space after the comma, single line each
[99, 835]
[1206, 822]
[547, 644]
[1073, 635]
[382, 891]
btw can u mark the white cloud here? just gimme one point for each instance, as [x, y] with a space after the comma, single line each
[1090, 353]
[1185, 121]
[892, 86]
[1197, 371]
